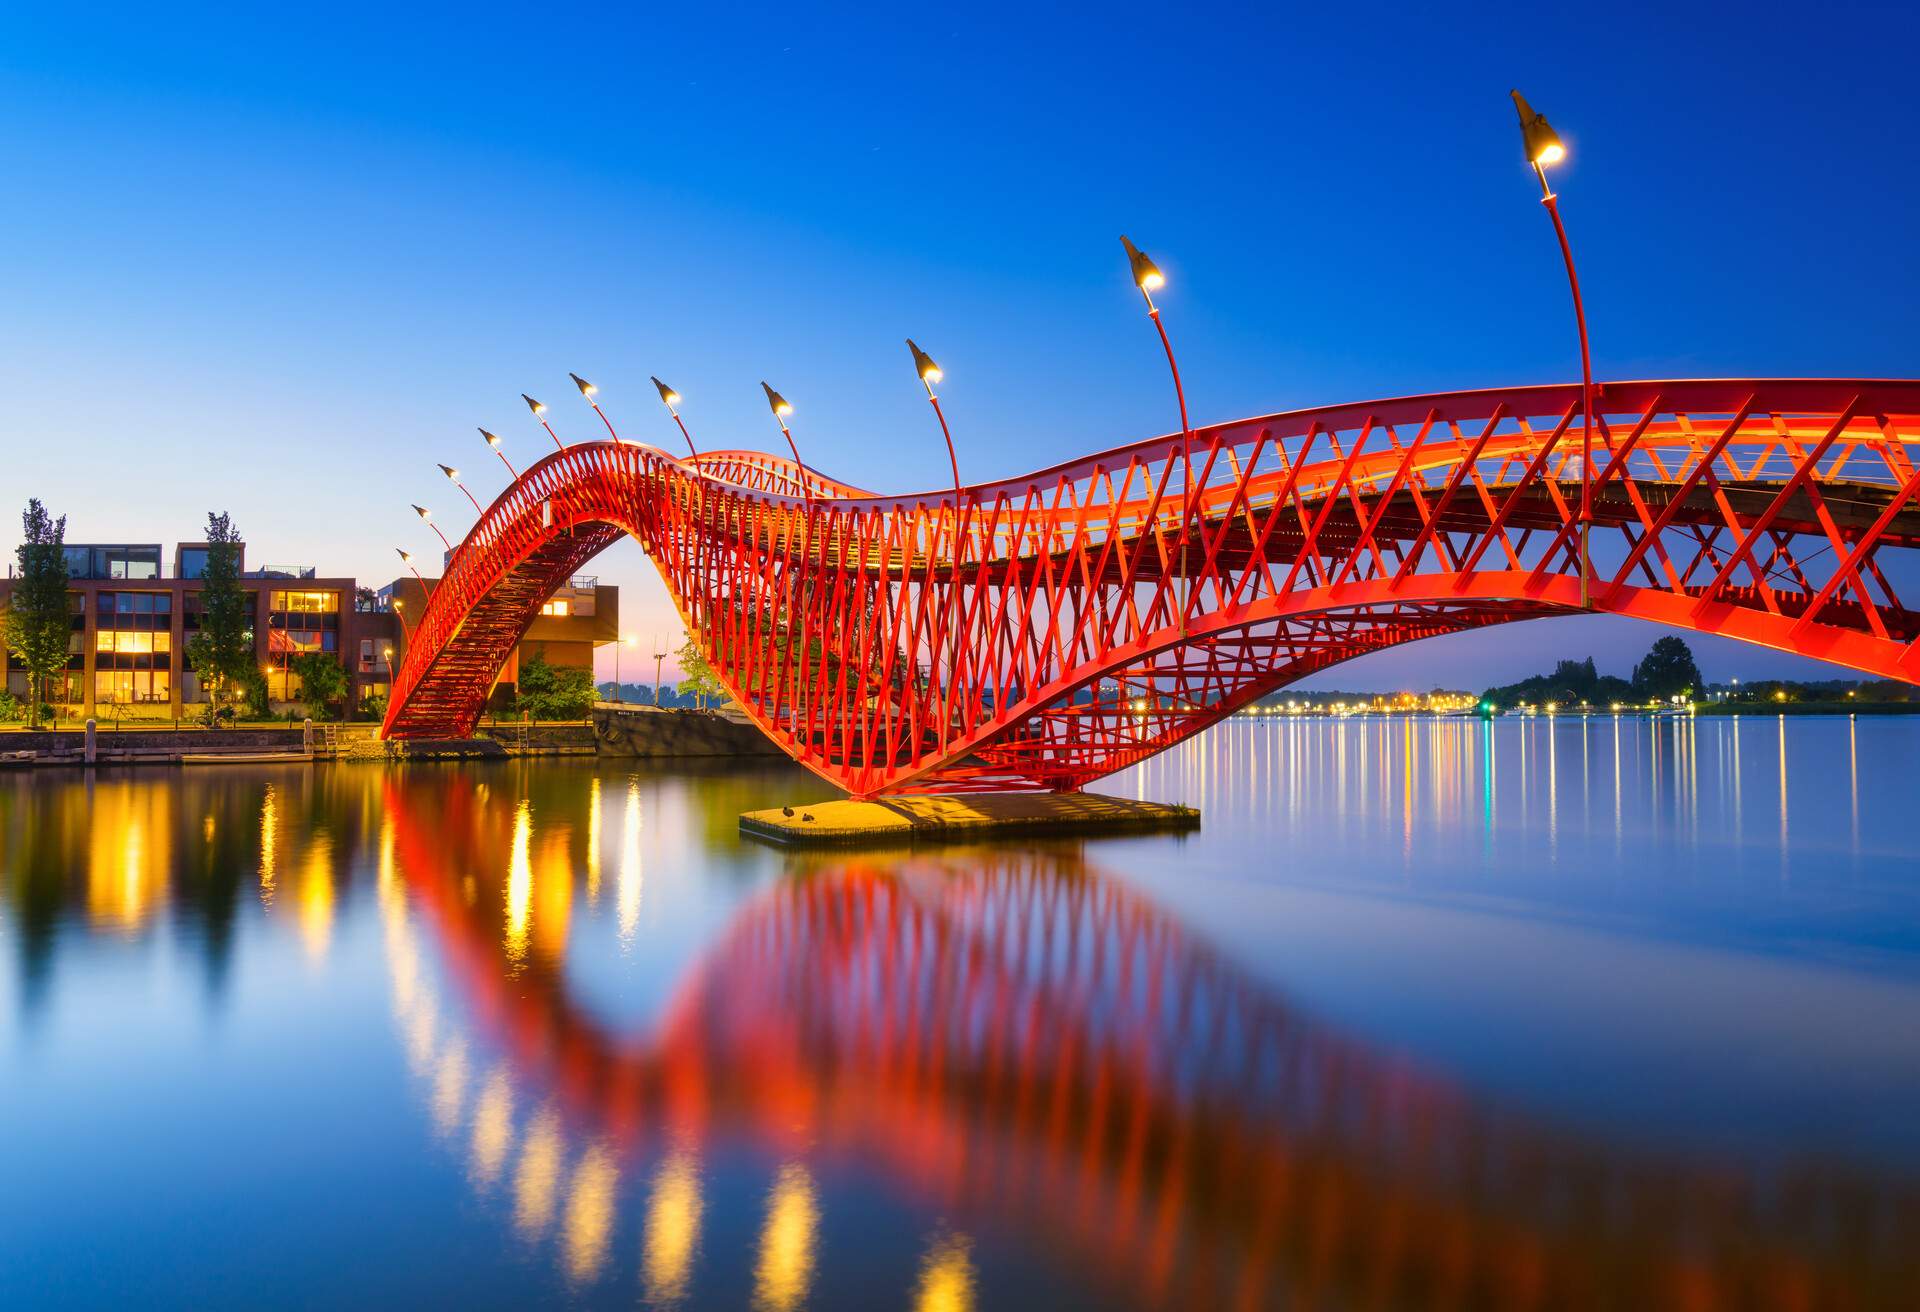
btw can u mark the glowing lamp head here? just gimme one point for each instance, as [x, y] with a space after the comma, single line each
[492, 440]
[587, 389]
[533, 405]
[1146, 274]
[776, 402]
[1544, 147]
[923, 364]
[405, 555]
[453, 475]
[423, 512]
[670, 397]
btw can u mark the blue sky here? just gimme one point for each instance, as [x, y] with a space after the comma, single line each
[281, 262]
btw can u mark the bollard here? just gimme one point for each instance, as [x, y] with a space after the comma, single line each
[92, 747]
[306, 736]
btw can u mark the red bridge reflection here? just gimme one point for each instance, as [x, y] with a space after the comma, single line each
[1028, 1045]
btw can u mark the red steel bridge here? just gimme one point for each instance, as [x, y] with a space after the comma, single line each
[1043, 631]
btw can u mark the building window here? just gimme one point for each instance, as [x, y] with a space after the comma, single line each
[291, 602]
[556, 607]
[130, 687]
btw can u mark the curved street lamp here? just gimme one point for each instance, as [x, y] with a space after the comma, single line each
[1148, 278]
[453, 477]
[1545, 149]
[671, 399]
[923, 364]
[407, 556]
[929, 375]
[494, 442]
[427, 515]
[589, 391]
[778, 404]
[540, 413]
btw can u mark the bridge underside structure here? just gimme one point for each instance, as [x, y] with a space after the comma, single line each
[1050, 629]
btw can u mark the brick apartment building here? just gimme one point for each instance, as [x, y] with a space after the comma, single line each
[134, 614]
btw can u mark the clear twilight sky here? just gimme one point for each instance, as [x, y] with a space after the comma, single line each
[280, 260]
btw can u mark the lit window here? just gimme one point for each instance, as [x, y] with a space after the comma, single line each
[554, 608]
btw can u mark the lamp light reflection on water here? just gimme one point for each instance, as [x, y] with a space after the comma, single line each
[492, 1129]
[593, 842]
[946, 1277]
[673, 1228]
[785, 1268]
[520, 883]
[591, 1205]
[316, 897]
[269, 824]
[631, 884]
[536, 1179]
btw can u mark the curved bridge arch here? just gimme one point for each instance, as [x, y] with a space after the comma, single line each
[1053, 628]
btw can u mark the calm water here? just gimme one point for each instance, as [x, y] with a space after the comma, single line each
[1429, 1013]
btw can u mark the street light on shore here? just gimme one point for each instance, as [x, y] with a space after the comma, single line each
[427, 515]
[659, 654]
[778, 404]
[493, 441]
[589, 391]
[540, 413]
[1148, 278]
[626, 640]
[671, 399]
[453, 477]
[1544, 149]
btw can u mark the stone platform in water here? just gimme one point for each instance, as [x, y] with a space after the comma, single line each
[963, 819]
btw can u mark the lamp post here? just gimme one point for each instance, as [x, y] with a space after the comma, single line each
[407, 556]
[659, 654]
[1545, 149]
[626, 640]
[427, 515]
[929, 375]
[1148, 278]
[453, 477]
[494, 442]
[540, 413]
[671, 399]
[589, 391]
[778, 404]
[400, 609]
[923, 365]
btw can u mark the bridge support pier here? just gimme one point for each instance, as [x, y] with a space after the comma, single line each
[963, 818]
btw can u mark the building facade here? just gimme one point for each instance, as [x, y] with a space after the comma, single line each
[134, 612]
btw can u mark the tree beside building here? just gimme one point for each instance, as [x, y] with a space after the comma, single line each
[323, 683]
[221, 653]
[38, 622]
[553, 692]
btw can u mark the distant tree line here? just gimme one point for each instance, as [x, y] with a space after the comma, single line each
[1668, 670]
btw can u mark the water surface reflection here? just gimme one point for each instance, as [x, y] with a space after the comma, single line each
[589, 1047]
